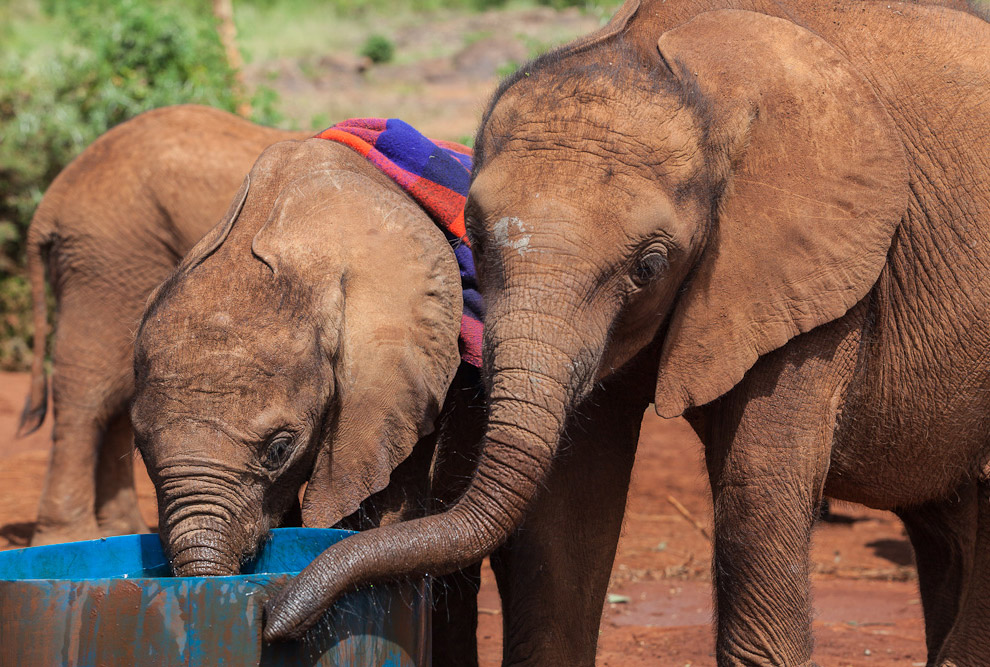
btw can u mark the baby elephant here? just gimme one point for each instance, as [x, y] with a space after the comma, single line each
[310, 337]
[111, 227]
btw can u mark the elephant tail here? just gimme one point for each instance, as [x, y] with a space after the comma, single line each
[41, 236]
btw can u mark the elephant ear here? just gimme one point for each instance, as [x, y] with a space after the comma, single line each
[392, 276]
[212, 240]
[617, 24]
[817, 188]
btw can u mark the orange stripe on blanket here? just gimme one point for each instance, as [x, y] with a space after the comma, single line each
[346, 138]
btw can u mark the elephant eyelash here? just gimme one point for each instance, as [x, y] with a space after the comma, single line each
[475, 243]
[470, 230]
[650, 266]
[278, 451]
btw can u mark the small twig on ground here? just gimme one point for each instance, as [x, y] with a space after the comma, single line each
[664, 518]
[900, 573]
[683, 511]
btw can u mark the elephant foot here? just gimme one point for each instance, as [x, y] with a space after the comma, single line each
[121, 522]
[812, 663]
[120, 515]
[52, 534]
[123, 526]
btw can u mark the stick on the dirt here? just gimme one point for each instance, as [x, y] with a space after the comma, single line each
[690, 519]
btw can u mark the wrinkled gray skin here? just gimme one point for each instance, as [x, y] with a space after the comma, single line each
[782, 214]
[311, 337]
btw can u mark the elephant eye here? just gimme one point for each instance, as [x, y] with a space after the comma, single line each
[649, 268]
[278, 451]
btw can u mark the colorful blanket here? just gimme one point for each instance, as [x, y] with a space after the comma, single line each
[436, 174]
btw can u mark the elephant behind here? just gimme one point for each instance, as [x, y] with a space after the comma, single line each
[111, 227]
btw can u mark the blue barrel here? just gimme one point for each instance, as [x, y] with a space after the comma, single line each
[114, 602]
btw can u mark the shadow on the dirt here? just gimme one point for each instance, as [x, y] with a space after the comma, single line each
[898, 552]
[827, 514]
[17, 534]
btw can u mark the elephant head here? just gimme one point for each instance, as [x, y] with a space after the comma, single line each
[709, 203]
[724, 199]
[309, 337]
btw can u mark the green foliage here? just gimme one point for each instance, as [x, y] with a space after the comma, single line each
[506, 69]
[15, 329]
[378, 48]
[559, 4]
[488, 4]
[320, 121]
[113, 60]
[353, 7]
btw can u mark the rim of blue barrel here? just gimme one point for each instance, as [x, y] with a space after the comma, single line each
[286, 551]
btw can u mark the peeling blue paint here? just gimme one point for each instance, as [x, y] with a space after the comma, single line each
[113, 602]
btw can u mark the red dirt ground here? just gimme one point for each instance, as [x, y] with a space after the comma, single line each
[868, 611]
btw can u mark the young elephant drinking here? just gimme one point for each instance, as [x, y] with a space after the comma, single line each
[312, 336]
[111, 227]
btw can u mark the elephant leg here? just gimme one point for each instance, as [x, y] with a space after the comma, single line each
[968, 643]
[765, 505]
[66, 512]
[455, 596]
[767, 448]
[455, 618]
[942, 535]
[117, 511]
[91, 383]
[553, 573]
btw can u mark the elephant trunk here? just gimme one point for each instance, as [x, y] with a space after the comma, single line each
[197, 551]
[533, 384]
[199, 529]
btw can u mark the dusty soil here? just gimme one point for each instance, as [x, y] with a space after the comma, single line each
[868, 611]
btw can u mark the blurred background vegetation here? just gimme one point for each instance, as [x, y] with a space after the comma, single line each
[72, 69]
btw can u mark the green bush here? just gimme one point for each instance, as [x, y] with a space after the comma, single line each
[378, 48]
[560, 4]
[15, 312]
[488, 4]
[113, 61]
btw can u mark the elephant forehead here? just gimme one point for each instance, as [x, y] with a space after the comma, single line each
[223, 352]
[242, 397]
[593, 131]
[229, 355]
